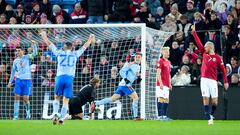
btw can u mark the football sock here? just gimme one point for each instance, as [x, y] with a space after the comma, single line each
[214, 107]
[165, 106]
[55, 106]
[160, 108]
[16, 108]
[104, 101]
[27, 108]
[135, 108]
[63, 112]
[207, 113]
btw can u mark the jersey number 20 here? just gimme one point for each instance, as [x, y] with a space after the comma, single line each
[67, 60]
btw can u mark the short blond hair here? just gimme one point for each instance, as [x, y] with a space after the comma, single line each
[166, 48]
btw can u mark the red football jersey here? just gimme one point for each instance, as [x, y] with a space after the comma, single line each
[210, 63]
[164, 65]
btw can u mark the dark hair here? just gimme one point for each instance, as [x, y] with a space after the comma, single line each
[19, 47]
[69, 45]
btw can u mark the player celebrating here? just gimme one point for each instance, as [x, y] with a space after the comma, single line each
[163, 84]
[65, 73]
[211, 62]
[86, 94]
[23, 82]
[130, 72]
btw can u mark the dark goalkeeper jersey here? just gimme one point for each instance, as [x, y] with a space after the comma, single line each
[86, 94]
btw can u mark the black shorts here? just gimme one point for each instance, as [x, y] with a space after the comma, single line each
[75, 106]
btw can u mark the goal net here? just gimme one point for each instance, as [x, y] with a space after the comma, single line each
[113, 47]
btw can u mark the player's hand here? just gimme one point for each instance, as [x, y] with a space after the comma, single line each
[226, 85]
[193, 28]
[92, 38]
[33, 42]
[43, 33]
[126, 81]
[9, 85]
[161, 86]
[170, 87]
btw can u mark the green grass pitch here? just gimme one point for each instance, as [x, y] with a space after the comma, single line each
[119, 127]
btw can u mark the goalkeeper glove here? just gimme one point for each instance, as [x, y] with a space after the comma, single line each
[126, 81]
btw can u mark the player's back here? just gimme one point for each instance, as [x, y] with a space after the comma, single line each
[129, 72]
[66, 63]
[86, 94]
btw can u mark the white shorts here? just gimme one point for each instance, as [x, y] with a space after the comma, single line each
[209, 87]
[163, 93]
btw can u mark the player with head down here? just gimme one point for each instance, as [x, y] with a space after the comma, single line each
[66, 59]
[85, 95]
[130, 72]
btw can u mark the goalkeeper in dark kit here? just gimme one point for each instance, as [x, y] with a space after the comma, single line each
[85, 95]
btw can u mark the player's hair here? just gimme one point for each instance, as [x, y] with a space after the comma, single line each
[210, 43]
[94, 81]
[165, 48]
[69, 45]
[138, 53]
[19, 47]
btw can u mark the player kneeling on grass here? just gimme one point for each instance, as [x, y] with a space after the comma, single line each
[85, 94]
[130, 73]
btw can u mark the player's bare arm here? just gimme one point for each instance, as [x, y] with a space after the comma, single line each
[91, 40]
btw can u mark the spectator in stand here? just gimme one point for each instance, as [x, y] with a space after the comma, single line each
[49, 79]
[235, 80]
[114, 77]
[20, 14]
[28, 19]
[232, 23]
[192, 52]
[229, 72]
[183, 28]
[159, 17]
[46, 8]
[36, 13]
[44, 19]
[227, 42]
[166, 6]
[3, 5]
[153, 5]
[191, 10]
[208, 10]
[135, 6]
[196, 72]
[143, 14]
[9, 12]
[95, 10]
[14, 39]
[12, 20]
[214, 22]
[3, 19]
[4, 76]
[79, 15]
[169, 25]
[121, 12]
[58, 11]
[223, 12]
[234, 64]
[186, 61]
[233, 11]
[218, 4]
[174, 13]
[182, 77]
[215, 38]
[238, 7]
[175, 54]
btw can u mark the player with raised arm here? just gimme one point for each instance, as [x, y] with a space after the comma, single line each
[210, 64]
[23, 82]
[85, 95]
[163, 84]
[66, 67]
[129, 73]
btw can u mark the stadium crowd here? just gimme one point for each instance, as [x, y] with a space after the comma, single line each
[215, 20]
